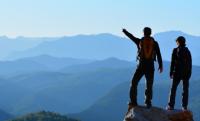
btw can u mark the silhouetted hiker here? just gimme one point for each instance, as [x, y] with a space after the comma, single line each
[148, 50]
[181, 69]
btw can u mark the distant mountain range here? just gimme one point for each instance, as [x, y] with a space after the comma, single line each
[51, 89]
[11, 45]
[61, 89]
[99, 46]
[102, 46]
[45, 74]
[36, 64]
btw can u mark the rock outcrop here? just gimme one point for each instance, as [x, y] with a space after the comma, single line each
[141, 113]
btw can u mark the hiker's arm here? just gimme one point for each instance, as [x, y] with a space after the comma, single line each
[133, 38]
[173, 59]
[159, 57]
[190, 61]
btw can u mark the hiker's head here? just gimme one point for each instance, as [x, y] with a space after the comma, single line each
[181, 41]
[147, 31]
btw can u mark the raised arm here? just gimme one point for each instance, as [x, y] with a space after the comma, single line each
[190, 57]
[190, 63]
[159, 57]
[134, 39]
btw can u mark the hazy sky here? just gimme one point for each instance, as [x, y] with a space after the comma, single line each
[71, 17]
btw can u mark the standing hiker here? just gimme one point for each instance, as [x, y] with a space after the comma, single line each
[148, 50]
[181, 69]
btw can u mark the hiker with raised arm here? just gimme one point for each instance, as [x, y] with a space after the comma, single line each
[181, 69]
[148, 52]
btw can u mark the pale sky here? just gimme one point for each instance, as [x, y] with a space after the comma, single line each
[38, 18]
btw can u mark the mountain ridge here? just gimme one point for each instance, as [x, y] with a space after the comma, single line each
[102, 46]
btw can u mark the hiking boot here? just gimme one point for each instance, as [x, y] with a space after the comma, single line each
[148, 106]
[184, 108]
[169, 108]
[132, 105]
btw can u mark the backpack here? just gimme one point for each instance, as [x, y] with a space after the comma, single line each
[184, 60]
[146, 49]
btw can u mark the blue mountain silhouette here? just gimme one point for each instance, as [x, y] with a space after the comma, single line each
[105, 45]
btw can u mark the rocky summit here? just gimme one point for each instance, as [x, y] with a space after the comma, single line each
[141, 113]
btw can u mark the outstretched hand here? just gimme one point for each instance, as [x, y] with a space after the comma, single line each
[124, 30]
[171, 75]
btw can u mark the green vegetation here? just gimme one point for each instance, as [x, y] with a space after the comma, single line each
[43, 116]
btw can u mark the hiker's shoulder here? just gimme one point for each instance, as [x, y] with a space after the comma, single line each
[152, 38]
[186, 48]
[182, 49]
[155, 42]
[175, 50]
